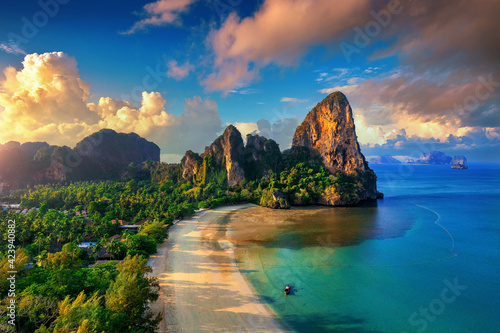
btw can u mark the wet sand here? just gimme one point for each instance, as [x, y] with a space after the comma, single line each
[202, 288]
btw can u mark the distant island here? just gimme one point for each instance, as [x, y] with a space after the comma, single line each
[384, 159]
[459, 162]
[430, 157]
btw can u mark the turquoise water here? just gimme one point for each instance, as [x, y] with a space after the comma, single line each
[388, 266]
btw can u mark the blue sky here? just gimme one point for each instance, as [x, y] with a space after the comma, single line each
[412, 82]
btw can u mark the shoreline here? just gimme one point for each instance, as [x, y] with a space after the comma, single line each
[201, 285]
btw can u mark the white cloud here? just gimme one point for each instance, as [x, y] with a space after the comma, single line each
[12, 48]
[280, 32]
[246, 128]
[47, 101]
[160, 13]
[367, 134]
[293, 100]
[179, 72]
[347, 89]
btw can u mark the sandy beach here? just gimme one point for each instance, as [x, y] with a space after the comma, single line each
[201, 286]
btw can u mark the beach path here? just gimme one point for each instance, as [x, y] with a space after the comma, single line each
[201, 286]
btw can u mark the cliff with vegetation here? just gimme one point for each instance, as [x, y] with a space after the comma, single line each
[324, 166]
[104, 155]
[329, 129]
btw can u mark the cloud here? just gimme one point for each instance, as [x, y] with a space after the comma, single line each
[281, 130]
[11, 48]
[425, 106]
[280, 32]
[179, 72]
[293, 100]
[247, 91]
[347, 89]
[47, 90]
[447, 35]
[47, 101]
[159, 13]
[246, 128]
[367, 134]
[475, 143]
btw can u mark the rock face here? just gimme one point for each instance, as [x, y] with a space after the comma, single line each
[260, 156]
[31, 148]
[274, 200]
[52, 164]
[105, 154]
[434, 157]
[229, 153]
[459, 162]
[227, 150]
[459, 166]
[102, 155]
[384, 159]
[190, 164]
[329, 129]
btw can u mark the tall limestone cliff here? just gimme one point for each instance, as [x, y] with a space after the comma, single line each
[226, 152]
[329, 129]
[229, 153]
[190, 164]
[228, 149]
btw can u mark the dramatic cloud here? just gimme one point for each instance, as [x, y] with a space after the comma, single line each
[475, 143]
[447, 35]
[47, 101]
[280, 32]
[160, 13]
[45, 94]
[179, 72]
[425, 106]
[449, 76]
[367, 134]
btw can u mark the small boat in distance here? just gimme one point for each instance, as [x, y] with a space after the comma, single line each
[287, 289]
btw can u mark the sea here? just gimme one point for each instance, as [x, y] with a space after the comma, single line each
[426, 258]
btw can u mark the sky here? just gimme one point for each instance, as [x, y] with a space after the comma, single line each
[419, 75]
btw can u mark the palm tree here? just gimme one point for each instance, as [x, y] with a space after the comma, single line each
[79, 239]
[113, 246]
[39, 240]
[96, 248]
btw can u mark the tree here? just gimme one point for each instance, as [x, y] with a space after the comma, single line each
[154, 230]
[141, 244]
[117, 249]
[129, 295]
[79, 316]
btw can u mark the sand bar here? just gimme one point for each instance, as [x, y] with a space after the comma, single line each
[201, 286]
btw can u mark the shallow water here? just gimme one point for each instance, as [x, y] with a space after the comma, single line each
[388, 266]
